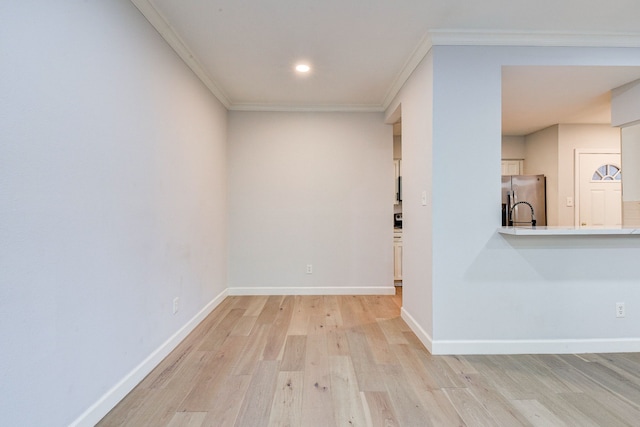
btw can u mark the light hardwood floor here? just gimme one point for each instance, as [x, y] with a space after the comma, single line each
[351, 361]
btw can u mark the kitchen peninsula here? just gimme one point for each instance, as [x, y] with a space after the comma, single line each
[569, 231]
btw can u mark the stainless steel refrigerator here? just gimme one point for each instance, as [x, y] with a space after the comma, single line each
[523, 195]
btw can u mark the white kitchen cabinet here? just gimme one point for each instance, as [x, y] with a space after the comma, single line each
[397, 255]
[512, 167]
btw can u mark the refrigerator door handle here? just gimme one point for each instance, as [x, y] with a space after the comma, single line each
[509, 205]
[513, 208]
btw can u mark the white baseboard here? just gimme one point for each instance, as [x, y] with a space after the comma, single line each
[461, 347]
[565, 346]
[327, 290]
[422, 335]
[107, 402]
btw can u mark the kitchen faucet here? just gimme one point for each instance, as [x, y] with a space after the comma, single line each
[533, 218]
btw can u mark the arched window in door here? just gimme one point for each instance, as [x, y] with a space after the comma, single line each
[607, 173]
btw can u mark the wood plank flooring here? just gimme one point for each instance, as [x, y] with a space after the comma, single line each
[351, 361]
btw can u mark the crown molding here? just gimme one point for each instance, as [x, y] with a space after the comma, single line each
[504, 38]
[532, 38]
[443, 37]
[408, 68]
[158, 21]
[354, 108]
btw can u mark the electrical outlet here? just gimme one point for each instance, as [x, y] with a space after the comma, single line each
[176, 305]
[309, 269]
[620, 310]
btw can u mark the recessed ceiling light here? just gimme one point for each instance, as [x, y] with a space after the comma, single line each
[302, 68]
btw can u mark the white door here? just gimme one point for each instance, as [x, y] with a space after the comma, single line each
[600, 190]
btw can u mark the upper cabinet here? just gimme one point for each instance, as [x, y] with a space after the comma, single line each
[512, 167]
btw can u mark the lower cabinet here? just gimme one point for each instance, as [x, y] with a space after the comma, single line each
[397, 255]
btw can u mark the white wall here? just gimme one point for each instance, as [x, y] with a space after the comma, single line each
[570, 138]
[551, 152]
[625, 104]
[631, 163]
[416, 102]
[513, 147]
[397, 146]
[493, 293]
[631, 175]
[541, 154]
[113, 189]
[310, 188]
[625, 112]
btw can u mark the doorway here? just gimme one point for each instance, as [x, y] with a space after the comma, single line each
[397, 206]
[598, 178]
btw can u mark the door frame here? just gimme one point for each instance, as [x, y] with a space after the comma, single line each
[576, 176]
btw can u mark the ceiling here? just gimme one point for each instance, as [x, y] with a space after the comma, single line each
[535, 98]
[362, 51]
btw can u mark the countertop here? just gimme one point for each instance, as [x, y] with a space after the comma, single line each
[569, 231]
